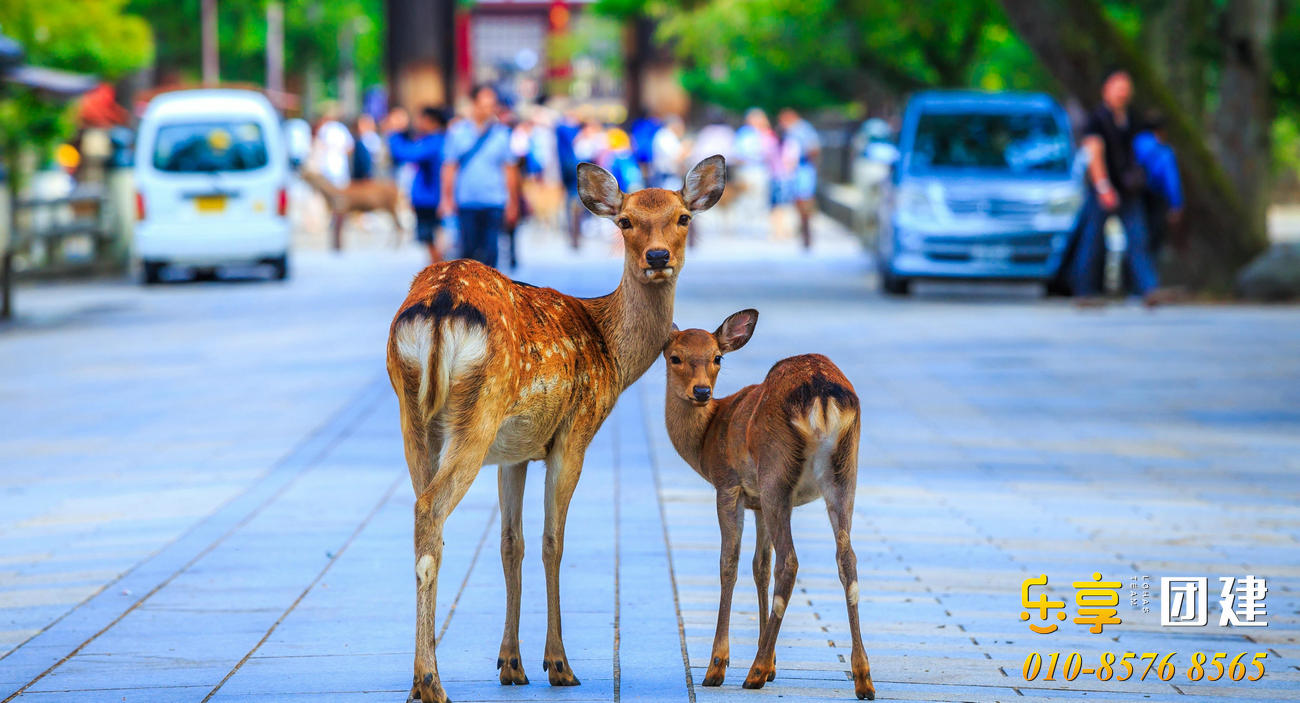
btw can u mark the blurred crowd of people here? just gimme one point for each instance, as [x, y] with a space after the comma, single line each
[471, 178]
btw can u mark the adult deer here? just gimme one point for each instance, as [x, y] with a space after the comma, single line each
[768, 447]
[359, 196]
[488, 370]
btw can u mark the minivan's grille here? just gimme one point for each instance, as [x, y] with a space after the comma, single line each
[1024, 249]
[994, 207]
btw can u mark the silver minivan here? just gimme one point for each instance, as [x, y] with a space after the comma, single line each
[983, 188]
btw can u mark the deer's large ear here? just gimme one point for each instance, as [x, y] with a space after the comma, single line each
[704, 184]
[736, 330]
[598, 190]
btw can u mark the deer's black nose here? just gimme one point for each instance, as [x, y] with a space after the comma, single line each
[701, 393]
[657, 258]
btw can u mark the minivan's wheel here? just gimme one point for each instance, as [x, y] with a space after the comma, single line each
[892, 284]
[151, 272]
[279, 267]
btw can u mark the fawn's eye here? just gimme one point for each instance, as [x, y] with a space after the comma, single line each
[675, 359]
[624, 223]
[717, 360]
[684, 220]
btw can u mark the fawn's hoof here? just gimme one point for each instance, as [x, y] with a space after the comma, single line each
[559, 673]
[512, 672]
[427, 689]
[717, 672]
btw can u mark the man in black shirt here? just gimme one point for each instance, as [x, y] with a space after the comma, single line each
[1115, 186]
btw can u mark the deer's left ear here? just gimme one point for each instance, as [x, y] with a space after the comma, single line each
[704, 184]
[736, 330]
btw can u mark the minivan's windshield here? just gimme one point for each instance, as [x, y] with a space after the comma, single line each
[225, 145]
[1019, 142]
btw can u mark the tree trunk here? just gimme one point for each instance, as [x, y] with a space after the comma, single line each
[1177, 32]
[1076, 43]
[1243, 121]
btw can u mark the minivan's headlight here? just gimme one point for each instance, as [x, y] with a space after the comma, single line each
[1064, 203]
[921, 201]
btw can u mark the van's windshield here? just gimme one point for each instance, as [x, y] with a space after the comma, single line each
[1019, 142]
[225, 145]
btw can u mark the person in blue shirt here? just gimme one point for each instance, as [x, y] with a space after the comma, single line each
[480, 177]
[1164, 192]
[424, 148]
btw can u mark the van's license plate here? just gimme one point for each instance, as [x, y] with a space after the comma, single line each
[210, 203]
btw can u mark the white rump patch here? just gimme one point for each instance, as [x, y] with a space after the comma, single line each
[414, 338]
[463, 345]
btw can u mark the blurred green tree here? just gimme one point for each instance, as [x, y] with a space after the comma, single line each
[824, 53]
[97, 38]
[311, 38]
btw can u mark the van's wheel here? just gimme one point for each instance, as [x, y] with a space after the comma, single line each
[280, 267]
[151, 272]
[894, 285]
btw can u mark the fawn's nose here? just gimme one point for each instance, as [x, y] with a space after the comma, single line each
[657, 258]
[701, 393]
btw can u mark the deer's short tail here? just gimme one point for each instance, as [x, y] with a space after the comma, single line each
[432, 345]
[822, 410]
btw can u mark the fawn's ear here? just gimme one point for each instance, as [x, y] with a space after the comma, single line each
[704, 184]
[736, 330]
[598, 190]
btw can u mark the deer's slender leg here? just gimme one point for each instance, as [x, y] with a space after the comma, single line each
[563, 467]
[762, 566]
[510, 488]
[838, 484]
[776, 512]
[462, 457]
[731, 520]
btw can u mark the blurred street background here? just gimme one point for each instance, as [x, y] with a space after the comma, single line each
[212, 210]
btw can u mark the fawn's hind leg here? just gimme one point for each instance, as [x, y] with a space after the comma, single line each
[762, 567]
[838, 483]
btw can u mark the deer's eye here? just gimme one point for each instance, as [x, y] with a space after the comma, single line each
[717, 360]
[624, 223]
[675, 359]
[684, 220]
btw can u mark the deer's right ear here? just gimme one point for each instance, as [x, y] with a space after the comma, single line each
[599, 191]
[736, 330]
[672, 336]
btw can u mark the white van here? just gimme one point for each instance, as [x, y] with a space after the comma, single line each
[211, 174]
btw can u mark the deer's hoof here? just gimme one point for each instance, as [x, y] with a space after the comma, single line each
[427, 689]
[512, 672]
[863, 686]
[717, 672]
[757, 677]
[559, 673]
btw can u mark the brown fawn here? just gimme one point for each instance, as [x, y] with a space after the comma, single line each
[767, 447]
[488, 370]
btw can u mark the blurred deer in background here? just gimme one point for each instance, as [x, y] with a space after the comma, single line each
[358, 196]
[488, 370]
[768, 447]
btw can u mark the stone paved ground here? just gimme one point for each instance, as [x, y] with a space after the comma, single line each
[202, 495]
